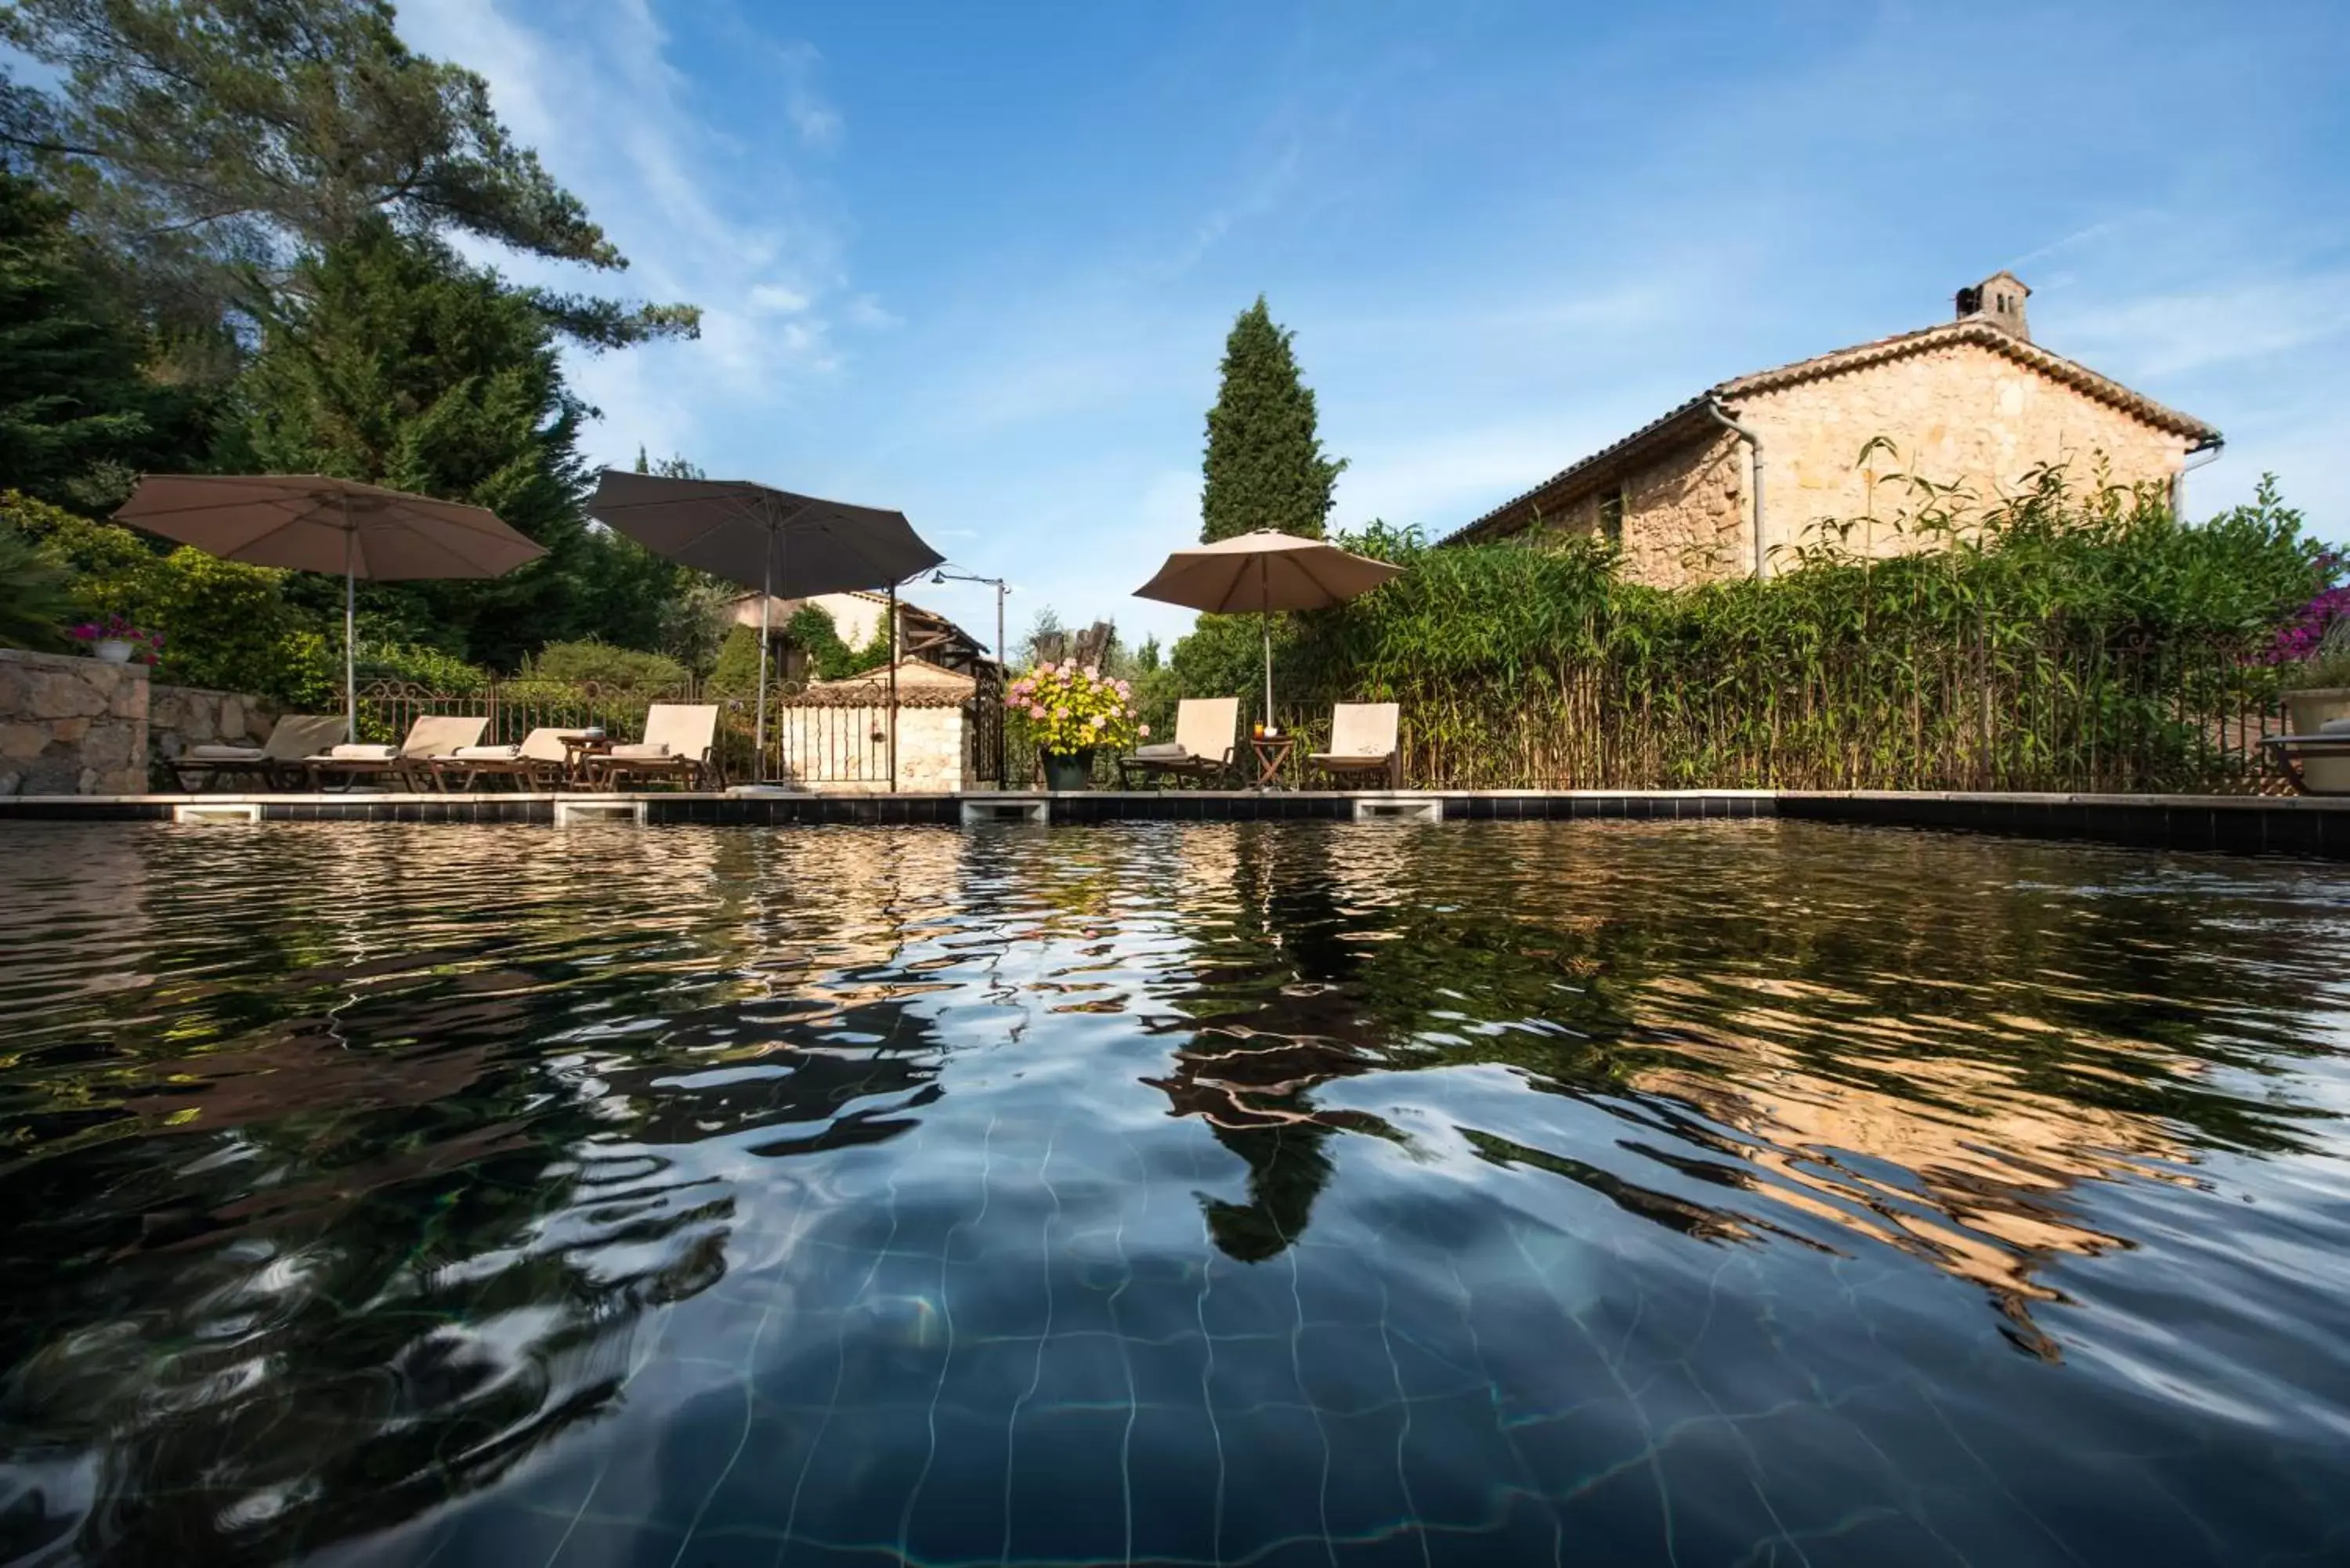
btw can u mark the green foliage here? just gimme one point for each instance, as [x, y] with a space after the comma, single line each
[1265, 467]
[36, 601]
[2062, 636]
[203, 139]
[811, 630]
[737, 668]
[427, 668]
[601, 664]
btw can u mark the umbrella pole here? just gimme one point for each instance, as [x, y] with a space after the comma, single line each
[766, 610]
[350, 623]
[1264, 624]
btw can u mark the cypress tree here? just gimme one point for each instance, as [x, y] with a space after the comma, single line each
[1265, 467]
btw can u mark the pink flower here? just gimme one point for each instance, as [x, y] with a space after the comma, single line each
[1091, 673]
[1143, 730]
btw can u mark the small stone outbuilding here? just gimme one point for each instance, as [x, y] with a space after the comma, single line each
[1971, 402]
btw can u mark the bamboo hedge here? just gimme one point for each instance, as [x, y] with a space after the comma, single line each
[2068, 637]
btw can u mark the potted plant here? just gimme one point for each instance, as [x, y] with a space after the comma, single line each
[1071, 712]
[112, 639]
[2311, 653]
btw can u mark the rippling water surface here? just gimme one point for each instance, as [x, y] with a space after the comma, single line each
[1702, 1193]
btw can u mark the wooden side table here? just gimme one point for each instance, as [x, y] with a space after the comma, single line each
[577, 749]
[1272, 755]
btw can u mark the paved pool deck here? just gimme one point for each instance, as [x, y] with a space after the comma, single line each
[2301, 825]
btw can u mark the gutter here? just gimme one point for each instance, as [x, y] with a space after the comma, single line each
[2211, 447]
[1755, 448]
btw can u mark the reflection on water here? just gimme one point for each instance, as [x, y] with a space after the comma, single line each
[1715, 1192]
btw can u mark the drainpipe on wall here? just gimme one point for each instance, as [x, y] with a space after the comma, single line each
[2210, 452]
[1754, 451]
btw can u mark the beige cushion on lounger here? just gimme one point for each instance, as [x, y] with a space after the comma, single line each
[363, 754]
[487, 754]
[685, 729]
[1207, 727]
[223, 754]
[440, 734]
[1361, 731]
[639, 754]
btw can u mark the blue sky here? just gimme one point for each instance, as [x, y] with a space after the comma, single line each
[977, 262]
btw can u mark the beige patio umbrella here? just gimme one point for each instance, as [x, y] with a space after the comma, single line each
[311, 523]
[1264, 572]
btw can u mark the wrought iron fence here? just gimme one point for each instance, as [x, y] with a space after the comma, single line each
[1960, 715]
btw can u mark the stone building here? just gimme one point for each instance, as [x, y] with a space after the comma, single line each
[1727, 482]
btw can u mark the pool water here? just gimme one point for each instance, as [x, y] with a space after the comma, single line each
[1184, 1193]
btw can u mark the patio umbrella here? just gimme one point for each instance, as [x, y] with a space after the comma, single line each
[762, 538]
[1264, 572]
[313, 524]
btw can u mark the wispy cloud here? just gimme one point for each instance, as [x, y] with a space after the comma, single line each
[702, 216]
[2173, 333]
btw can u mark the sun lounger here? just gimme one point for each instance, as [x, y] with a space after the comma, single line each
[1207, 731]
[538, 762]
[276, 763]
[435, 735]
[681, 743]
[1363, 740]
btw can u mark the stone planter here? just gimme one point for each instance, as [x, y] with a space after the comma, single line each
[2309, 712]
[1069, 770]
[112, 650]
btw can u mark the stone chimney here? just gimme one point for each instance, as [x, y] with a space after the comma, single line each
[1998, 299]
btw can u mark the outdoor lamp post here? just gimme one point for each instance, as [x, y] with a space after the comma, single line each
[1002, 659]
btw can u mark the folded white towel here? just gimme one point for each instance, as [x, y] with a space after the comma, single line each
[1169, 751]
[225, 753]
[639, 754]
[2334, 727]
[487, 754]
[364, 753]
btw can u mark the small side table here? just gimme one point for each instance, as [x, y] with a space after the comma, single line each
[1271, 757]
[577, 749]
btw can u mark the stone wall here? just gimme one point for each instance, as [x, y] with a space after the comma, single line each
[832, 746]
[71, 725]
[179, 717]
[1961, 414]
[1958, 414]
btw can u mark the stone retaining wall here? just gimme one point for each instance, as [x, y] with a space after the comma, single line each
[179, 717]
[71, 725]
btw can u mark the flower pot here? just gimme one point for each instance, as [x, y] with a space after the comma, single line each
[112, 650]
[1068, 770]
[2308, 709]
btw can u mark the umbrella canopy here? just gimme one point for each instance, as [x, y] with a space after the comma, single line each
[1264, 572]
[762, 538]
[312, 523]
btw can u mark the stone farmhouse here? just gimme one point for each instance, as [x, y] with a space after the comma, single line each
[1723, 484]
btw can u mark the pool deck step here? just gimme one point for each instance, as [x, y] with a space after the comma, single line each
[2305, 825]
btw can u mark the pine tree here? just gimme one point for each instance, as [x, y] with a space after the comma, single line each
[405, 366]
[1265, 467]
[78, 415]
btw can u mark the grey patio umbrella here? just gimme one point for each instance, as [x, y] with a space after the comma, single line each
[762, 538]
[1264, 572]
[312, 523]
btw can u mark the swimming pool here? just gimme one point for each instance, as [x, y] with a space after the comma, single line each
[1244, 1193]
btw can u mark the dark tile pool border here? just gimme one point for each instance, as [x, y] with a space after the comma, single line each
[2234, 824]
